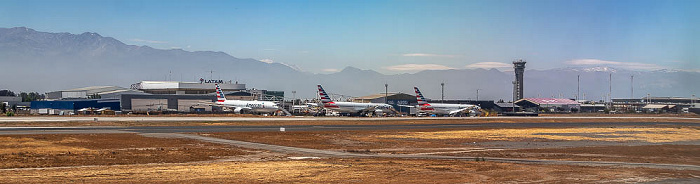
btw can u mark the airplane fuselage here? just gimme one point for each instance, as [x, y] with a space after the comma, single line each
[445, 109]
[354, 107]
[254, 106]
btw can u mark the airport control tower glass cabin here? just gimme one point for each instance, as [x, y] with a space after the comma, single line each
[519, 66]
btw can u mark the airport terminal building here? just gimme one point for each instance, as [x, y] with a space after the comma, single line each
[150, 96]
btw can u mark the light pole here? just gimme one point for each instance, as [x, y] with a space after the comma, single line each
[648, 98]
[632, 86]
[477, 95]
[692, 100]
[386, 93]
[442, 99]
[514, 96]
[294, 99]
[578, 87]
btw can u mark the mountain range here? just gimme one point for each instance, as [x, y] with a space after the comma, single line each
[41, 61]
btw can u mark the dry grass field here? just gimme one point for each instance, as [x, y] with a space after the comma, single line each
[47, 150]
[133, 158]
[343, 171]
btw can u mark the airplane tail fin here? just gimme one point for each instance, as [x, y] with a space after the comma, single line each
[219, 94]
[324, 96]
[419, 97]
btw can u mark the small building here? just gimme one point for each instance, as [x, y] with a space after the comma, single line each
[506, 107]
[172, 103]
[659, 108]
[60, 107]
[10, 100]
[548, 104]
[638, 104]
[695, 110]
[592, 108]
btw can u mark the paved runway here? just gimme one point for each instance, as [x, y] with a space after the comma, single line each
[305, 118]
[186, 129]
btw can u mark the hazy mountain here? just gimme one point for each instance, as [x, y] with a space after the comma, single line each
[41, 61]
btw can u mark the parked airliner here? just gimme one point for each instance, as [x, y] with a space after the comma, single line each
[241, 106]
[441, 108]
[351, 107]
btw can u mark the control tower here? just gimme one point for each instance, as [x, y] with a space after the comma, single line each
[519, 66]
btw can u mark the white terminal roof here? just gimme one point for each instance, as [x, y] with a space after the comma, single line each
[161, 85]
[100, 90]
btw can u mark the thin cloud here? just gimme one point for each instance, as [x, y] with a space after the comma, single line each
[330, 70]
[489, 65]
[418, 67]
[625, 65]
[147, 41]
[427, 55]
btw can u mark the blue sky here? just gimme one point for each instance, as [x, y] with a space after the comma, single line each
[392, 36]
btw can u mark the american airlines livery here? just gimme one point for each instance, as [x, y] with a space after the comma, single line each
[240, 106]
[441, 108]
[351, 107]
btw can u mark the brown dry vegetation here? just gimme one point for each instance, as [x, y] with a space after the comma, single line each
[22, 151]
[123, 158]
[670, 154]
[616, 134]
[343, 171]
[630, 144]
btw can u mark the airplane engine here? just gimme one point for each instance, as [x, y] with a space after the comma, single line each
[378, 112]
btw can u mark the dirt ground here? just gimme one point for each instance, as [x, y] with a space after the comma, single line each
[677, 145]
[47, 150]
[132, 158]
[346, 171]
[353, 122]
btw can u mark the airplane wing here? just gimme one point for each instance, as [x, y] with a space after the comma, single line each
[460, 110]
[467, 109]
[241, 109]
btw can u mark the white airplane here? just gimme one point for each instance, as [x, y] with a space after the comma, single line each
[441, 108]
[240, 106]
[351, 107]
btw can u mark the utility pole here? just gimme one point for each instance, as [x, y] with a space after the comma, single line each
[692, 100]
[386, 93]
[632, 86]
[442, 98]
[477, 95]
[610, 90]
[578, 88]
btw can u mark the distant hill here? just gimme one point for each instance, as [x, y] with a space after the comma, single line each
[51, 61]
[41, 61]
